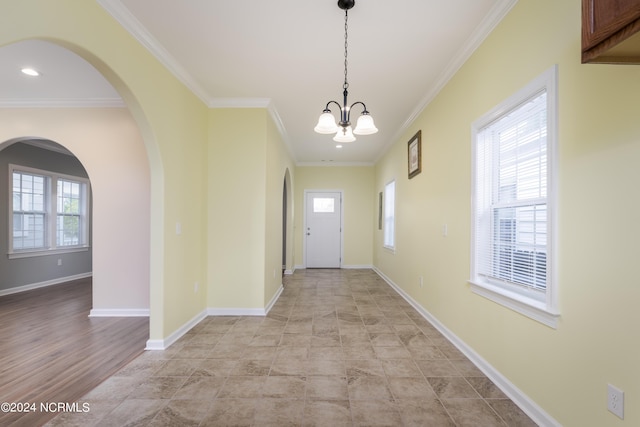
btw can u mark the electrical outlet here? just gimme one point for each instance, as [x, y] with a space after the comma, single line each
[615, 400]
[195, 288]
[421, 281]
[59, 261]
[445, 230]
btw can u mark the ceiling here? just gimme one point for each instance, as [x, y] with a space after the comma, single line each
[286, 55]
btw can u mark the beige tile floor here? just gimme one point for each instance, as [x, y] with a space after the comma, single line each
[339, 348]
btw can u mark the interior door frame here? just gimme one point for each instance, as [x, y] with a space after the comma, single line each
[304, 226]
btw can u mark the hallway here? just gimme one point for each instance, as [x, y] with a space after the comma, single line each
[339, 348]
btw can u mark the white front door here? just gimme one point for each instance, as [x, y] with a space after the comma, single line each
[323, 229]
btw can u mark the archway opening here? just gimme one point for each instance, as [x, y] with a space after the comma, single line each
[103, 135]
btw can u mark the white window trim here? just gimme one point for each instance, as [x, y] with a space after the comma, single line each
[390, 248]
[525, 302]
[50, 238]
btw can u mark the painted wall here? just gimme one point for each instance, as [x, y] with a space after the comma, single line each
[279, 163]
[236, 202]
[360, 203]
[246, 172]
[172, 123]
[564, 370]
[107, 143]
[42, 269]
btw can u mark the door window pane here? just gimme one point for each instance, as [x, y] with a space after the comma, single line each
[323, 205]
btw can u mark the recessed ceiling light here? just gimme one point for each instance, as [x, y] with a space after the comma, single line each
[338, 146]
[30, 72]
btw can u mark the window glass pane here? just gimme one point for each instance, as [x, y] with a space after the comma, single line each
[323, 205]
[519, 245]
[511, 191]
[389, 214]
[29, 211]
[68, 230]
[69, 220]
[28, 231]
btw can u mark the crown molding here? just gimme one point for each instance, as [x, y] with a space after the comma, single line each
[277, 120]
[45, 144]
[63, 103]
[239, 103]
[140, 33]
[482, 31]
[257, 103]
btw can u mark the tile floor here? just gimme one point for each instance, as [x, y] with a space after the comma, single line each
[339, 348]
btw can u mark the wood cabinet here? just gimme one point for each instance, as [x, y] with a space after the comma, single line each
[610, 31]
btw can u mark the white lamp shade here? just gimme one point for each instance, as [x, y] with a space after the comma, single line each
[344, 135]
[365, 125]
[326, 124]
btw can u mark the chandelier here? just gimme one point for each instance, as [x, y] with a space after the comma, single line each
[327, 122]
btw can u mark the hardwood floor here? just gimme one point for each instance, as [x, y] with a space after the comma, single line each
[51, 351]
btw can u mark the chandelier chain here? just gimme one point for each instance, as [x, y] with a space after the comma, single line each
[346, 44]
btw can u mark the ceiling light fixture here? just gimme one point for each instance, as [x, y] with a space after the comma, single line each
[327, 122]
[30, 72]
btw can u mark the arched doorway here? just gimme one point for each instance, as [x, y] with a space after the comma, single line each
[107, 141]
[48, 223]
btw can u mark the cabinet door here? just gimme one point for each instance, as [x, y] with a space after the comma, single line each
[602, 19]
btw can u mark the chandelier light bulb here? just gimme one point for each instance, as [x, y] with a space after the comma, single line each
[365, 125]
[326, 123]
[345, 134]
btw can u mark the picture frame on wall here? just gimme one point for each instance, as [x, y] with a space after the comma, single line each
[414, 154]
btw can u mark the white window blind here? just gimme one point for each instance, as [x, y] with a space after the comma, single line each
[389, 214]
[511, 197]
[513, 201]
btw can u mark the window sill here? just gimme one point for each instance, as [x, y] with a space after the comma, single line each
[45, 252]
[390, 249]
[530, 307]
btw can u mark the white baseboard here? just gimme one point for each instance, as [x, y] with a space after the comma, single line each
[24, 288]
[269, 306]
[212, 311]
[163, 344]
[289, 272]
[346, 267]
[119, 312]
[528, 406]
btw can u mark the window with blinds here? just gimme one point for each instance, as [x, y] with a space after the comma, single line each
[390, 215]
[511, 174]
[512, 208]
